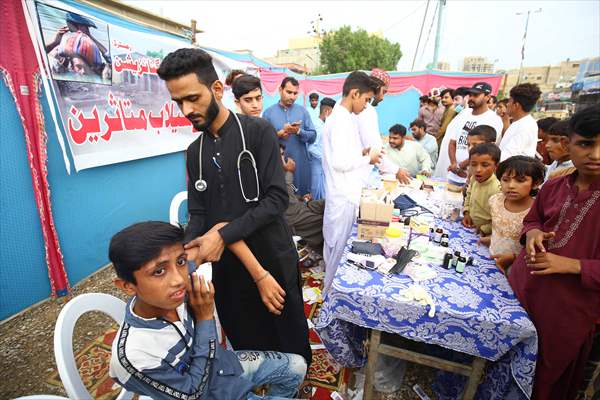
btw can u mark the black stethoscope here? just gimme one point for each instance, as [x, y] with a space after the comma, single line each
[201, 184]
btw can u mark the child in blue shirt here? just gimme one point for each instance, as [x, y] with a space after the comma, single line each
[166, 347]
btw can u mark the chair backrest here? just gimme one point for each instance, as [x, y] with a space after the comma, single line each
[63, 338]
[174, 208]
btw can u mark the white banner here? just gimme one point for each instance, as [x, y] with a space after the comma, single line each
[112, 104]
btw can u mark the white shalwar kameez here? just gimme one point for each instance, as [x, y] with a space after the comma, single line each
[345, 168]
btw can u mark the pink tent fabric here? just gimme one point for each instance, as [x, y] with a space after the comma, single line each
[422, 82]
[20, 70]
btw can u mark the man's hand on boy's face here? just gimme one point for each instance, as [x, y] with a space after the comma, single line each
[201, 297]
[209, 247]
[550, 263]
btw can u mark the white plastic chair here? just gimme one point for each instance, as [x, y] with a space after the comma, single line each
[63, 339]
[176, 202]
[174, 208]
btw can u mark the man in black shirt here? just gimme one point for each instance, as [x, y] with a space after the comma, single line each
[235, 175]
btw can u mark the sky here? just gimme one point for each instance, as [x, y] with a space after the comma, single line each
[561, 30]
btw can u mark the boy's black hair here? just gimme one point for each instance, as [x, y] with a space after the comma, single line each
[326, 102]
[526, 94]
[419, 123]
[398, 129]
[486, 148]
[559, 128]
[423, 98]
[545, 123]
[503, 101]
[494, 99]
[523, 166]
[586, 122]
[186, 61]
[443, 92]
[289, 79]
[361, 81]
[139, 244]
[244, 85]
[488, 133]
[313, 95]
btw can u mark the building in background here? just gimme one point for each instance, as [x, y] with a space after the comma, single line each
[555, 82]
[549, 78]
[443, 66]
[477, 64]
[301, 55]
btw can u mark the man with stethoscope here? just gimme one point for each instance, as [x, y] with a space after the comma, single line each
[235, 176]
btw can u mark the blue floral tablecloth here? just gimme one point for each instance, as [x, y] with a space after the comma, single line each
[476, 313]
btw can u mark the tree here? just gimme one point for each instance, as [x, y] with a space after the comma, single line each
[344, 50]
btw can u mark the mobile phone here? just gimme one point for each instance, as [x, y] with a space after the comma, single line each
[297, 123]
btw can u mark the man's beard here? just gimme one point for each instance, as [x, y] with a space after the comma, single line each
[211, 114]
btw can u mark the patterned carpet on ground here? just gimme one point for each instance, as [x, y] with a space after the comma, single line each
[324, 376]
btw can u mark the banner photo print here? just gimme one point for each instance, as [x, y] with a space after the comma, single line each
[112, 104]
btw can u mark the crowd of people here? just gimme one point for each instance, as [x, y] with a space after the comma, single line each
[257, 177]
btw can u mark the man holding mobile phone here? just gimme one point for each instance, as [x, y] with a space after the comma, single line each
[295, 130]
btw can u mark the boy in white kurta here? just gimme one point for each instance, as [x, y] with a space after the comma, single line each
[344, 162]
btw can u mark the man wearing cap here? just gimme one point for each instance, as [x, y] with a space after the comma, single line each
[522, 135]
[368, 123]
[477, 114]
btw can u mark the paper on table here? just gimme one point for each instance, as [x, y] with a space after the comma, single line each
[419, 272]
[414, 183]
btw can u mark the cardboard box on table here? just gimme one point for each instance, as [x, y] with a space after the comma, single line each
[374, 217]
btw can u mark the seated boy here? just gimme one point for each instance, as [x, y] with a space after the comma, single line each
[557, 145]
[167, 345]
[483, 160]
[557, 275]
